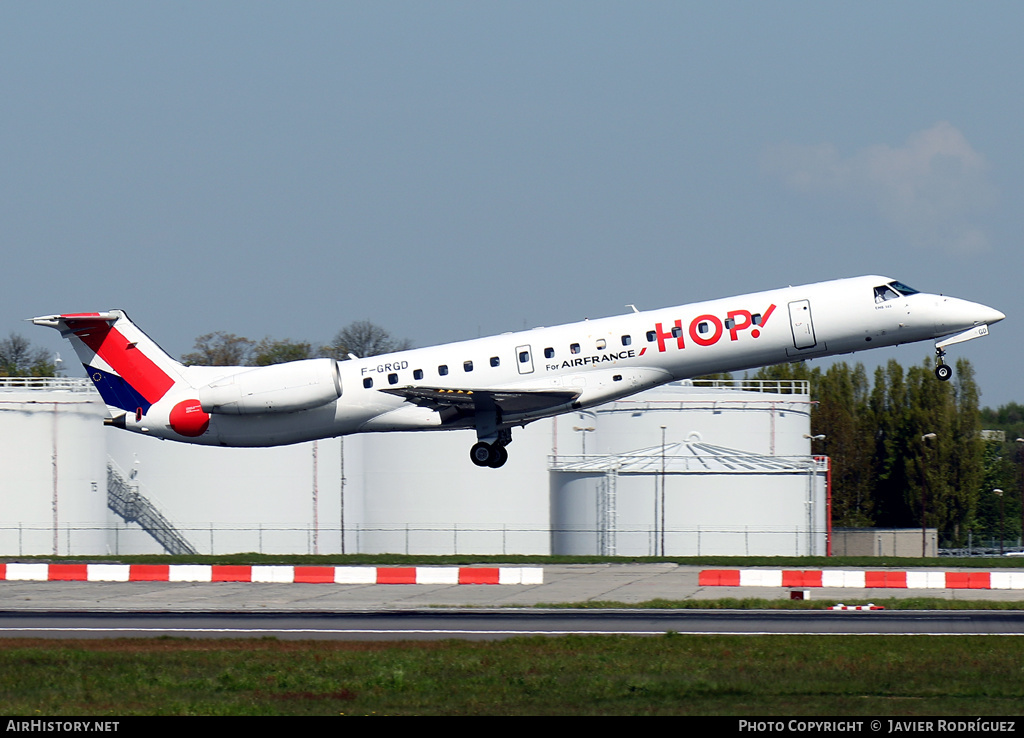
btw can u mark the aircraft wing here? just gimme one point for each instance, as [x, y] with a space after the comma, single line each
[510, 402]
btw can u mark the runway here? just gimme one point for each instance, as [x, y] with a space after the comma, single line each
[491, 625]
[628, 584]
[437, 611]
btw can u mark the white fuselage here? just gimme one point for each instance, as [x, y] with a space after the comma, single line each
[599, 360]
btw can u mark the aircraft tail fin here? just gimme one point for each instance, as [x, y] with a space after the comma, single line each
[128, 368]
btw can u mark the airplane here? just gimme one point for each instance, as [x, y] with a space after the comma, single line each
[494, 384]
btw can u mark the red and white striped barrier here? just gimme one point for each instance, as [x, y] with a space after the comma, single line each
[869, 606]
[270, 574]
[838, 578]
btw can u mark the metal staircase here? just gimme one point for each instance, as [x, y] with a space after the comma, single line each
[125, 499]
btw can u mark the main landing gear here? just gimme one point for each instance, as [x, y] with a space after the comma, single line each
[488, 454]
[491, 454]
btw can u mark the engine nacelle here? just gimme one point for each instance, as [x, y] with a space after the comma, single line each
[278, 388]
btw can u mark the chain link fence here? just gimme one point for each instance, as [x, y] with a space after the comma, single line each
[117, 539]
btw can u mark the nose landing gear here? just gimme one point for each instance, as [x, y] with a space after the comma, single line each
[943, 371]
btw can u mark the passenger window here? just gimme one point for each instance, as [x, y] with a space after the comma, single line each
[549, 353]
[677, 331]
[524, 357]
[467, 366]
[651, 336]
[601, 343]
[417, 374]
[495, 361]
[617, 378]
[392, 379]
[729, 324]
[368, 382]
[627, 340]
[702, 327]
[443, 370]
[575, 348]
[756, 319]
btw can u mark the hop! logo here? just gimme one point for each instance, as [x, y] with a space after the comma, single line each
[707, 329]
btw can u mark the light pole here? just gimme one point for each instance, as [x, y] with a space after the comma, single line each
[828, 489]
[584, 431]
[924, 495]
[663, 491]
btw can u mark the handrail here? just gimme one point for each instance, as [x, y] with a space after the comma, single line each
[70, 384]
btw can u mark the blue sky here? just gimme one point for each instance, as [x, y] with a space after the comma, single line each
[450, 169]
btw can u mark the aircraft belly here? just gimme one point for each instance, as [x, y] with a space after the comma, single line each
[409, 417]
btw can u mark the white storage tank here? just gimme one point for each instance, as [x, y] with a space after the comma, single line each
[771, 418]
[53, 492]
[689, 499]
[283, 499]
[738, 478]
[421, 494]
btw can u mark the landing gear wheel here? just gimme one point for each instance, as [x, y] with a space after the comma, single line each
[488, 454]
[483, 454]
[501, 456]
[943, 372]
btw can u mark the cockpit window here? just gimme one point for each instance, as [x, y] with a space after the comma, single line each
[885, 292]
[902, 288]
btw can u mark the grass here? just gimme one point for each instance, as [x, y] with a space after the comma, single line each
[573, 675]
[576, 675]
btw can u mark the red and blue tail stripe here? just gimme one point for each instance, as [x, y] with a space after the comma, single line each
[116, 392]
[134, 381]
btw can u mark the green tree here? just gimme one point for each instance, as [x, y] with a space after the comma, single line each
[841, 414]
[219, 349]
[967, 467]
[269, 351]
[18, 358]
[1004, 469]
[783, 375]
[1000, 471]
[363, 338]
[890, 462]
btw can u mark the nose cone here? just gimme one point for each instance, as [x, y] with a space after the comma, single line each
[959, 315]
[992, 315]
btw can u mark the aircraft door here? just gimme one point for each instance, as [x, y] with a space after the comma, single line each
[524, 359]
[800, 321]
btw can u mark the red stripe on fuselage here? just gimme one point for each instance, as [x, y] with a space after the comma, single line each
[136, 368]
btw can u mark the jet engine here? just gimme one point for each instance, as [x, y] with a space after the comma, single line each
[279, 388]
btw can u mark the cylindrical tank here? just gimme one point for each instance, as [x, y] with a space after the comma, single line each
[750, 416]
[627, 511]
[283, 499]
[421, 494]
[53, 468]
